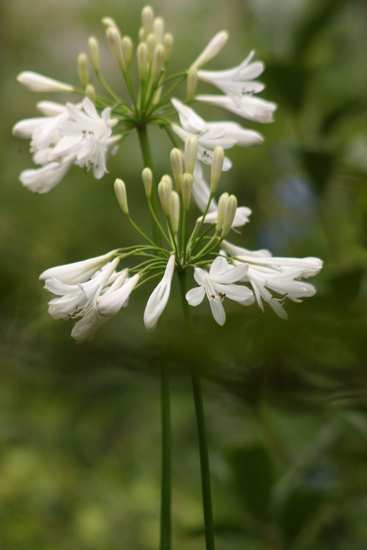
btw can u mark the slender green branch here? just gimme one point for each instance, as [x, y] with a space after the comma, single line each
[165, 534]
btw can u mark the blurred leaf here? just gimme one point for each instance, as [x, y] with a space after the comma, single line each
[347, 285]
[318, 165]
[302, 506]
[252, 467]
[321, 19]
[332, 118]
[288, 83]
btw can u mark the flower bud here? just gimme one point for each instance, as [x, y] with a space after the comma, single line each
[177, 167]
[158, 62]
[221, 210]
[147, 17]
[168, 181]
[212, 49]
[127, 49]
[150, 42]
[38, 83]
[142, 55]
[115, 44]
[158, 29]
[174, 211]
[94, 52]
[148, 181]
[91, 92]
[216, 168]
[187, 181]
[141, 35]
[168, 45]
[192, 79]
[164, 197]
[120, 191]
[191, 149]
[109, 23]
[83, 69]
[229, 214]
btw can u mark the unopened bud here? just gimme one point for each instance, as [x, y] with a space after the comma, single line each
[168, 45]
[164, 197]
[174, 211]
[91, 92]
[83, 69]
[141, 35]
[38, 83]
[147, 176]
[94, 52]
[158, 62]
[127, 49]
[120, 191]
[192, 79]
[212, 49]
[216, 168]
[108, 23]
[142, 56]
[158, 29]
[187, 181]
[114, 42]
[229, 214]
[191, 149]
[168, 181]
[177, 167]
[150, 42]
[221, 210]
[147, 17]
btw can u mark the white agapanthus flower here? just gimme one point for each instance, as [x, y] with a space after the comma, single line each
[275, 279]
[218, 284]
[77, 272]
[237, 81]
[211, 134]
[159, 298]
[252, 108]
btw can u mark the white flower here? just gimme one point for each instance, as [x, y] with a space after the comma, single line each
[159, 297]
[252, 108]
[274, 279]
[78, 272]
[41, 180]
[237, 81]
[117, 297]
[212, 49]
[201, 194]
[217, 284]
[86, 136]
[38, 83]
[211, 134]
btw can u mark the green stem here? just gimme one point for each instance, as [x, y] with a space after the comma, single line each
[200, 421]
[165, 538]
[147, 161]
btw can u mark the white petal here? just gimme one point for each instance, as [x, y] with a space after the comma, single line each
[111, 304]
[218, 268]
[238, 293]
[195, 296]
[77, 272]
[231, 275]
[218, 311]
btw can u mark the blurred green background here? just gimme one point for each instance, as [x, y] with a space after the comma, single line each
[285, 401]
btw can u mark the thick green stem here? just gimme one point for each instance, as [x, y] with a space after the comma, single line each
[165, 542]
[200, 421]
[147, 161]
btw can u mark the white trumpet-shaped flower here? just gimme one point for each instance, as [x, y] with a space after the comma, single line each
[77, 272]
[275, 279]
[159, 297]
[218, 284]
[211, 134]
[42, 180]
[248, 106]
[237, 81]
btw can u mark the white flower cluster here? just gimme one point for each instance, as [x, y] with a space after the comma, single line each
[66, 135]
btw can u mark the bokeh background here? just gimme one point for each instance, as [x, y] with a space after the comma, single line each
[285, 401]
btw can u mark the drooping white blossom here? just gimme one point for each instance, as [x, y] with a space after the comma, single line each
[248, 106]
[218, 284]
[42, 180]
[77, 272]
[159, 298]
